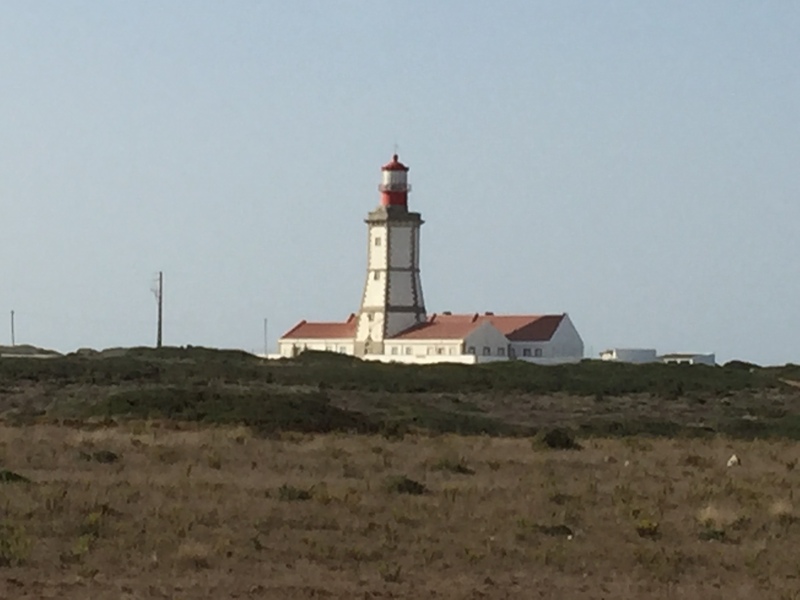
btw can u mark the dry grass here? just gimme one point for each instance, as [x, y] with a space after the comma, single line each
[217, 513]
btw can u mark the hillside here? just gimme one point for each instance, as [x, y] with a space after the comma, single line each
[319, 392]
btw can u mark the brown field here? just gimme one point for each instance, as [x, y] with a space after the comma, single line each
[218, 513]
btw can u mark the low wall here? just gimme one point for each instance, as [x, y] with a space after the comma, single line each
[459, 359]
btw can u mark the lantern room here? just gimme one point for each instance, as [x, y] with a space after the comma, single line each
[394, 186]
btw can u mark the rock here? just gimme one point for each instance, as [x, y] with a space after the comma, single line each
[734, 461]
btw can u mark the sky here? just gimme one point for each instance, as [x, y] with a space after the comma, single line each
[635, 164]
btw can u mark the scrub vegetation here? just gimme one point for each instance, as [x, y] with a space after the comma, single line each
[197, 473]
[320, 392]
[217, 511]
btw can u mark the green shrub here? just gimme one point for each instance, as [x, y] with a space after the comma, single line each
[640, 427]
[12, 477]
[453, 465]
[594, 378]
[527, 531]
[554, 530]
[289, 493]
[561, 499]
[712, 534]
[646, 528]
[430, 418]
[400, 484]
[101, 456]
[697, 461]
[14, 544]
[556, 439]
[267, 412]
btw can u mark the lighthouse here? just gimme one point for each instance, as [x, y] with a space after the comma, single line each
[392, 300]
[391, 324]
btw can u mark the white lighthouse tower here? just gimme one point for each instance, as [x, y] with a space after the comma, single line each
[392, 300]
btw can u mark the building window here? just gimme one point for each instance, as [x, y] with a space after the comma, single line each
[440, 350]
[526, 352]
[408, 349]
[376, 275]
[377, 241]
[537, 352]
[343, 349]
[430, 349]
[471, 350]
[328, 348]
[501, 351]
[451, 350]
[394, 349]
[487, 351]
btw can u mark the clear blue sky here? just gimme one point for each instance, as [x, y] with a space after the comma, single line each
[635, 164]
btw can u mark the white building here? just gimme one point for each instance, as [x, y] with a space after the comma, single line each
[648, 355]
[392, 323]
[630, 355]
[689, 358]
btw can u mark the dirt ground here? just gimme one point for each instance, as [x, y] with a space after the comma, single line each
[144, 511]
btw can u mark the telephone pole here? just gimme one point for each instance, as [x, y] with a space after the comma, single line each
[266, 345]
[13, 339]
[159, 292]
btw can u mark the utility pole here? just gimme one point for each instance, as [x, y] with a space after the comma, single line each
[160, 307]
[13, 339]
[266, 346]
[158, 290]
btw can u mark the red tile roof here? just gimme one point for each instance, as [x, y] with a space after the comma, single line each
[307, 330]
[527, 328]
[440, 327]
[517, 328]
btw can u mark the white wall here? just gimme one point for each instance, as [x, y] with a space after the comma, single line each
[420, 296]
[376, 254]
[534, 349]
[424, 359]
[560, 360]
[483, 336]
[400, 288]
[399, 321]
[370, 328]
[422, 348]
[289, 347]
[691, 359]
[375, 290]
[487, 336]
[566, 344]
[463, 359]
[566, 341]
[401, 237]
[630, 355]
